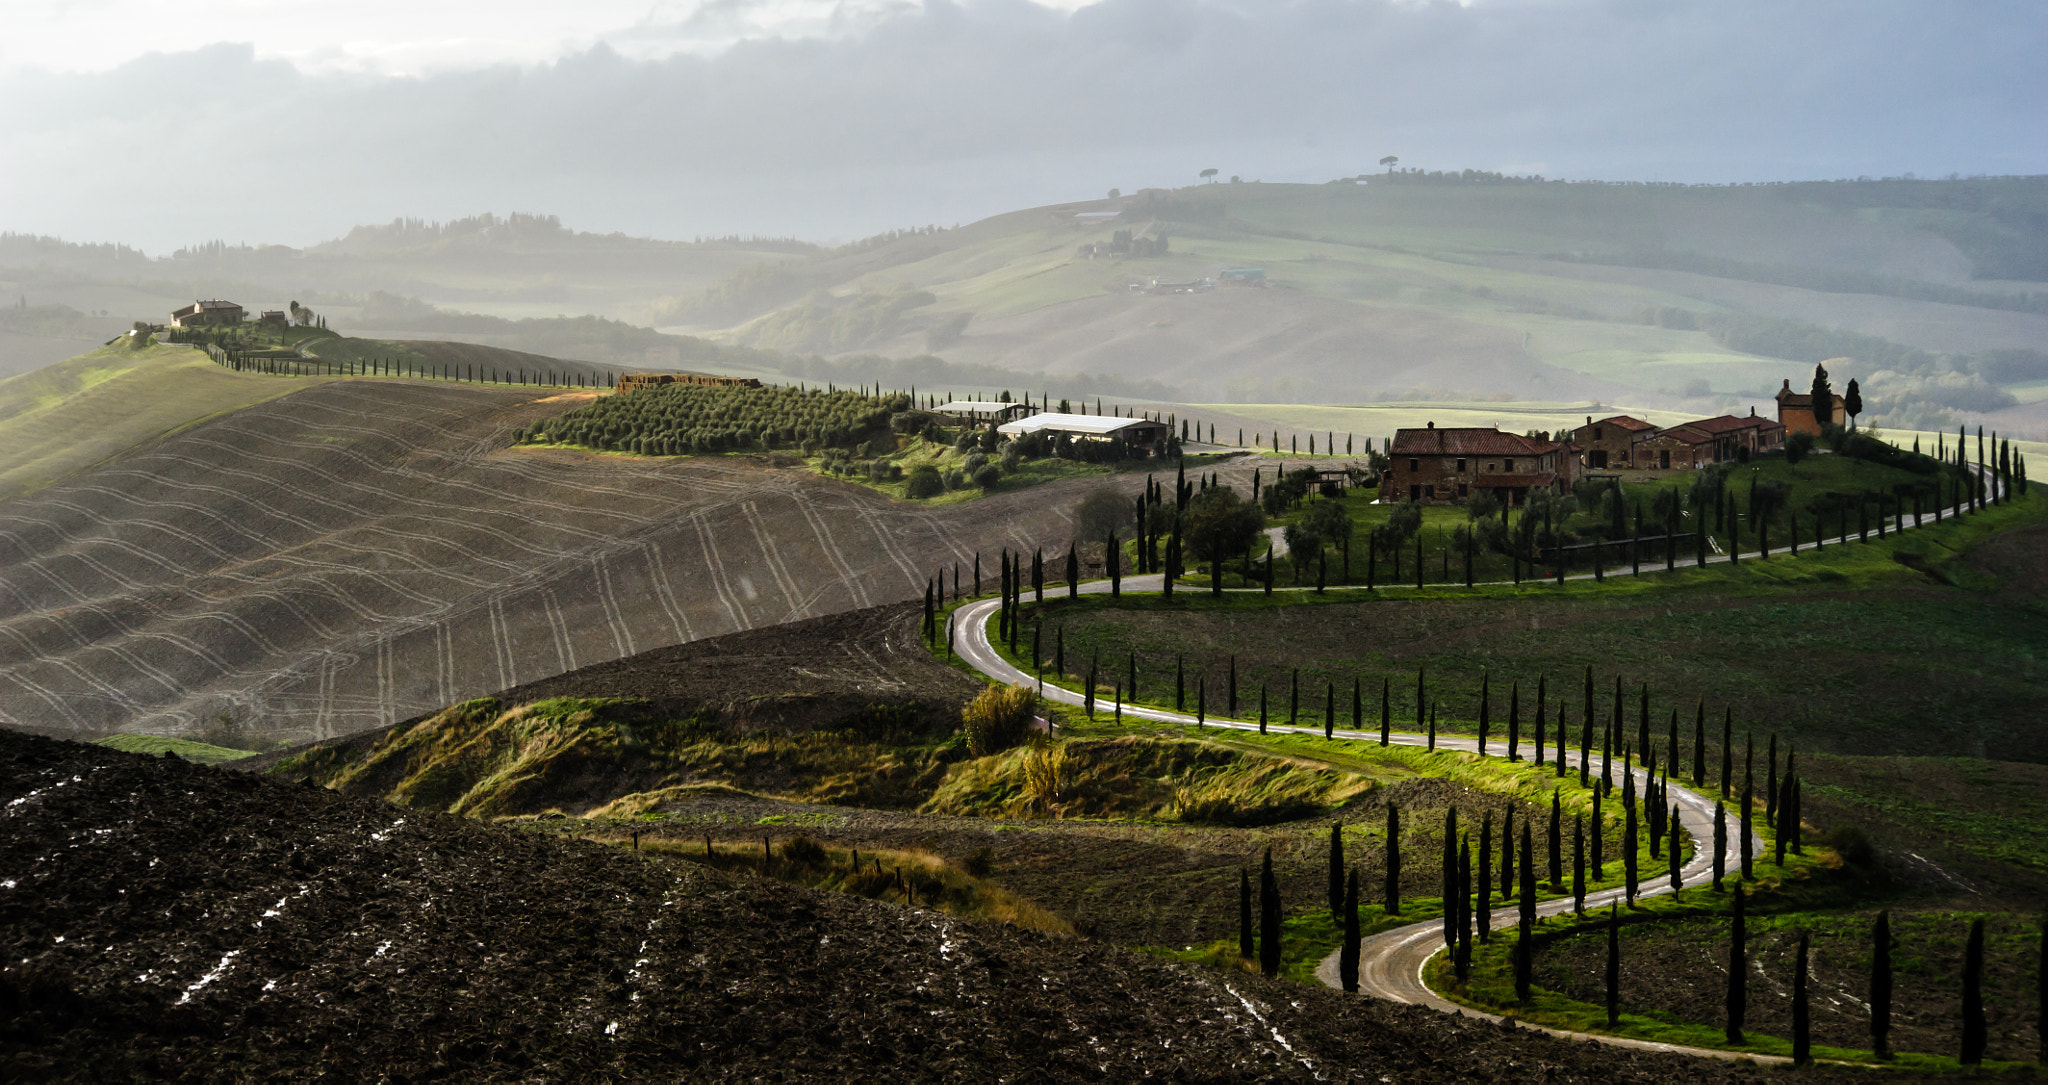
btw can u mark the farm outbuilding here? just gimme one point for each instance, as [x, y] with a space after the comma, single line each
[1444, 466]
[1611, 442]
[975, 410]
[1135, 432]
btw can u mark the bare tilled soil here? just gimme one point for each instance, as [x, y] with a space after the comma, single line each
[164, 920]
[360, 552]
[1680, 968]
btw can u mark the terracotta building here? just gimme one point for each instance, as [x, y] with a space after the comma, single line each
[211, 312]
[1446, 466]
[1795, 411]
[1610, 442]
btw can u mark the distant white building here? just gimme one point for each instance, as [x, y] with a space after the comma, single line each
[983, 412]
[1137, 432]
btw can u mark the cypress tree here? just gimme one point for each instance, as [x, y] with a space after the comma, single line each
[1613, 966]
[1628, 843]
[1336, 872]
[1073, 572]
[1556, 845]
[1483, 886]
[1579, 866]
[1246, 948]
[1393, 887]
[1881, 986]
[1781, 838]
[1386, 708]
[1347, 957]
[1464, 906]
[1059, 649]
[1727, 751]
[1269, 918]
[1598, 833]
[1798, 806]
[1450, 876]
[1607, 759]
[1738, 970]
[1720, 844]
[1974, 1031]
[1514, 721]
[1802, 1026]
[1202, 699]
[1671, 851]
[1329, 708]
[1357, 704]
[1262, 708]
[1432, 728]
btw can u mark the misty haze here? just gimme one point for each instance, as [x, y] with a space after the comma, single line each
[1375, 540]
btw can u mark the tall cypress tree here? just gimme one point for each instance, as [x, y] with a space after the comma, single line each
[1329, 708]
[1597, 831]
[1485, 708]
[1738, 970]
[1247, 947]
[1671, 851]
[1464, 907]
[1613, 966]
[1720, 844]
[1563, 740]
[1483, 885]
[1881, 985]
[1579, 866]
[1393, 887]
[1628, 843]
[1336, 872]
[1802, 1026]
[1450, 876]
[1386, 708]
[1514, 721]
[1347, 957]
[1556, 845]
[1748, 835]
[1269, 918]
[1974, 1030]
[1073, 572]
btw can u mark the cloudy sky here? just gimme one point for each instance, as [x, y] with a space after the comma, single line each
[161, 124]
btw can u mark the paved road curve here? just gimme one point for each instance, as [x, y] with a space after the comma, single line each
[1391, 963]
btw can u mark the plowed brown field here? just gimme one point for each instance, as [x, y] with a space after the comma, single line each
[361, 552]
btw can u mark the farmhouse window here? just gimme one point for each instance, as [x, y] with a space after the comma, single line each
[1596, 433]
[1414, 465]
[1508, 466]
[1461, 465]
[1463, 490]
[1415, 492]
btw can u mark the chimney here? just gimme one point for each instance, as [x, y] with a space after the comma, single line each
[1752, 410]
[1589, 419]
[1788, 384]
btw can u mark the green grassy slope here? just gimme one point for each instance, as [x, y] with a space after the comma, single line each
[158, 745]
[71, 415]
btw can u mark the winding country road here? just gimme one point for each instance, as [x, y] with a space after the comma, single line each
[1391, 963]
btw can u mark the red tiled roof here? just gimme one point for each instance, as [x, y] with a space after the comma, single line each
[1623, 421]
[1501, 482]
[1729, 423]
[1467, 442]
[1687, 433]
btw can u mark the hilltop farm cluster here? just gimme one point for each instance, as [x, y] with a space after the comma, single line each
[1446, 466]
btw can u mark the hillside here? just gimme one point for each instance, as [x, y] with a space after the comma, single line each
[336, 937]
[1405, 288]
[63, 418]
[362, 551]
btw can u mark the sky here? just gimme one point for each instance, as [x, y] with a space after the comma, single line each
[244, 120]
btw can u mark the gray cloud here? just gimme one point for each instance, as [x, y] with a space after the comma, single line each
[949, 112]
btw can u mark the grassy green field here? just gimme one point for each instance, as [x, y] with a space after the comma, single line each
[69, 416]
[1885, 648]
[158, 745]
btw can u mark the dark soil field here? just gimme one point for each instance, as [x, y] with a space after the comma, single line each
[1680, 968]
[363, 551]
[167, 921]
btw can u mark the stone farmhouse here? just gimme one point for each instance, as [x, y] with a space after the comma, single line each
[1611, 442]
[207, 313]
[1795, 411]
[1698, 443]
[1446, 466]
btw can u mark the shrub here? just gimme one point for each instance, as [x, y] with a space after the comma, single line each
[924, 481]
[972, 463]
[1012, 456]
[803, 851]
[953, 479]
[981, 862]
[999, 718]
[1049, 776]
[988, 476]
[1797, 446]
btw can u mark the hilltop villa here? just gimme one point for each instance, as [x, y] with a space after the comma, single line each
[202, 313]
[1443, 466]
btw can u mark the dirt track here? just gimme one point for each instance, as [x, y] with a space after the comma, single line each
[169, 921]
[361, 552]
